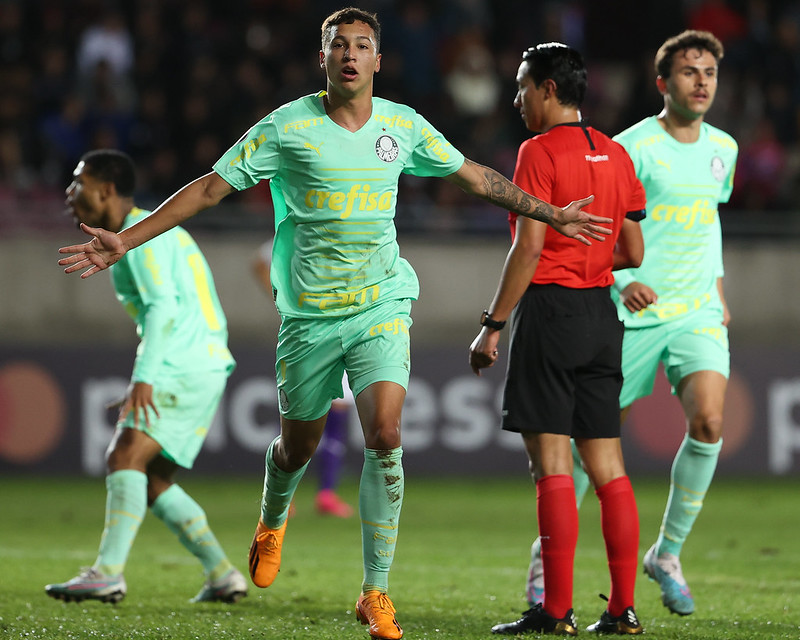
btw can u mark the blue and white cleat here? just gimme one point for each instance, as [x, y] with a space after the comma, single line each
[230, 588]
[89, 585]
[534, 588]
[665, 569]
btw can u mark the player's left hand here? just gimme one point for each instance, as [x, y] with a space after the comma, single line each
[483, 350]
[140, 398]
[573, 222]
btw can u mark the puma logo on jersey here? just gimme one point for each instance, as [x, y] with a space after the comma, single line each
[664, 164]
[308, 145]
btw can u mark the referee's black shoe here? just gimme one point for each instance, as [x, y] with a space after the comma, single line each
[536, 620]
[626, 624]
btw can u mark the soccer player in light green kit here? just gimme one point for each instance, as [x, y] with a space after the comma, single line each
[181, 368]
[673, 305]
[343, 292]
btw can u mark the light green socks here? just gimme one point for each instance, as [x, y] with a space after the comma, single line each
[380, 498]
[692, 472]
[126, 505]
[279, 488]
[579, 476]
[187, 520]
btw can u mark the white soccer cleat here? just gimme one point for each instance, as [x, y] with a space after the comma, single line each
[230, 588]
[89, 585]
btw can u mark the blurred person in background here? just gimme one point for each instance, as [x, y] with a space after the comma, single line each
[179, 375]
[564, 372]
[333, 160]
[673, 305]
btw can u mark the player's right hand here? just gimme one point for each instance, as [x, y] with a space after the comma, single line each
[103, 250]
[637, 296]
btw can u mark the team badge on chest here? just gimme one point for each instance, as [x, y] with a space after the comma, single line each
[717, 168]
[387, 148]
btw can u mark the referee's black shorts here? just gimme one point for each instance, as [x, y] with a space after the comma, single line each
[564, 367]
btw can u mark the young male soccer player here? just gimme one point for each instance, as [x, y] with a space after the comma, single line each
[181, 368]
[344, 294]
[673, 305]
[564, 373]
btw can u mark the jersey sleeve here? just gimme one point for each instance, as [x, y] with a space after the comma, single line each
[637, 203]
[535, 170]
[254, 157]
[150, 269]
[433, 155]
[727, 187]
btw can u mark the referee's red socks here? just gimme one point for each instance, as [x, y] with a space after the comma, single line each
[619, 519]
[558, 528]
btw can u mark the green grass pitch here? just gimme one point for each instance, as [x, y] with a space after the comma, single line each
[459, 568]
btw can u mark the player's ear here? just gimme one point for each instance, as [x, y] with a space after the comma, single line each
[321, 59]
[377, 63]
[107, 190]
[661, 85]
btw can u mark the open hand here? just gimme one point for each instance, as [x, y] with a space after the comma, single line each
[103, 250]
[573, 222]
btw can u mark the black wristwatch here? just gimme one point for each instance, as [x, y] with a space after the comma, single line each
[488, 321]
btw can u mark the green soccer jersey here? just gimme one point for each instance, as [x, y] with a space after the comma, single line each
[684, 184]
[167, 288]
[334, 192]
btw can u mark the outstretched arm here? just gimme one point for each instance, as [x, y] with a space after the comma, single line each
[488, 184]
[105, 247]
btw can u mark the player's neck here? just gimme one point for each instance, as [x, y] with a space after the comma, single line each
[349, 112]
[682, 129]
[116, 218]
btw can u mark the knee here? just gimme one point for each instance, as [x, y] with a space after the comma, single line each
[706, 426]
[117, 459]
[383, 436]
[291, 455]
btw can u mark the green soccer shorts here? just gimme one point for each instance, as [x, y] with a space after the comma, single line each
[312, 355]
[186, 405]
[698, 342]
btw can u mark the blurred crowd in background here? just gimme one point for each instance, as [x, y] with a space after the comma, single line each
[175, 82]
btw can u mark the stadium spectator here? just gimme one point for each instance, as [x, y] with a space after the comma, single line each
[342, 290]
[564, 373]
[169, 37]
[179, 375]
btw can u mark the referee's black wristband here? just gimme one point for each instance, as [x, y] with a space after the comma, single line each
[488, 321]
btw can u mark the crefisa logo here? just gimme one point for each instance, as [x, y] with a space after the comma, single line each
[387, 148]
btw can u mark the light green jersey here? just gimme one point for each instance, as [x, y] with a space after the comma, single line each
[334, 192]
[684, 183]
[167, 288]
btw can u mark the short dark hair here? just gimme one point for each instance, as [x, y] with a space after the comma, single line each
[563, 65]
[349, 15]
[110, 165]
[689, 39]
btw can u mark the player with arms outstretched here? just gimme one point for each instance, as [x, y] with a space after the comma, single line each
[343, 292]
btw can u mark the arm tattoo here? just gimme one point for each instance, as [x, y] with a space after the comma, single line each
[501, 191]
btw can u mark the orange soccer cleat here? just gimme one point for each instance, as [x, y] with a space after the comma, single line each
[376, 609]
[265, 554]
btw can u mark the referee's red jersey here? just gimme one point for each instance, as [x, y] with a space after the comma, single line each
[566, 163]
